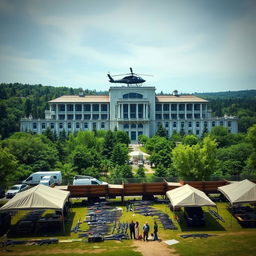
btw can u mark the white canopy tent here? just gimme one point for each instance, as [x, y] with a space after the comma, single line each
[188, 196]
[38, 197]
[138, 155]
[240, 192]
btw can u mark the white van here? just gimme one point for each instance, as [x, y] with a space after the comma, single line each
[47, 181]
[87, 180]
[36, 177]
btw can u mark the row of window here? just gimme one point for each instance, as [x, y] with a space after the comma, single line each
[81, 107]
[182, 124]
[180, 106]
[77, 125]
[133, 126]
[85, 116]
[175, 116]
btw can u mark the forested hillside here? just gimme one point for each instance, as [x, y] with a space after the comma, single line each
[20, 100]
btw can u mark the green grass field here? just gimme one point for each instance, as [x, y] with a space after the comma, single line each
[230, 239]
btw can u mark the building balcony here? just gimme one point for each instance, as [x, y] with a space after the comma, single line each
[121, 119]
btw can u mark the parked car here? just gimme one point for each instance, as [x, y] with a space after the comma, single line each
[2, 193]
[194, 216]
[47, 181]
[87, 180]
[16, 189]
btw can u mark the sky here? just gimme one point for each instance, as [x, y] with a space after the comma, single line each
[188, 45]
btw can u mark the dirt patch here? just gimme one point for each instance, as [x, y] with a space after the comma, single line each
[55, 251]
[154, 248]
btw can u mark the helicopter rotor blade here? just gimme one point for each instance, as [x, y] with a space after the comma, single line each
[131, 71]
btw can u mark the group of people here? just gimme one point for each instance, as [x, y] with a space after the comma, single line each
[135, 231]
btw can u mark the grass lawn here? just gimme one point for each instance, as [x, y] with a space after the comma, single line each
[230, 239]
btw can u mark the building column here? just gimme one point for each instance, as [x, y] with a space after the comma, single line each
[91, 113]
[66, 112]
[201, 111]
[57, 112]
[74, 111]
[178, 111]
[185, 111]
[193, 111]
[137, 112]
[129, 111]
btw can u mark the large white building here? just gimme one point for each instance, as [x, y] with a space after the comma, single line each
[134, 109]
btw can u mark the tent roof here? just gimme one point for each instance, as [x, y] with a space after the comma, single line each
[138, 153]
[240, 192]
[188, 196]
[38, 197]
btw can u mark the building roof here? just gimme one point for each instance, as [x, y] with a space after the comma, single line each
[180, 98]
[79, 99]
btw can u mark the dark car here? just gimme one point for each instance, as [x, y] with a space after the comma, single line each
[2, 193]
[194, 216]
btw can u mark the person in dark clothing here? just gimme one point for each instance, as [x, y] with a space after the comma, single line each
[155, 231]
[145, 231]
[132, 229]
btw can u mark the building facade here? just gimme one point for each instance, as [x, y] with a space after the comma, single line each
[136, 110]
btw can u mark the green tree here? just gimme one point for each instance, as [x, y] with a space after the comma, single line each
[8, 165]
[142, 139]
[252, 139]
[67, 171]
[190, 139]
[141, 172]
[160, 171]
[108, 144]
[122, 137]
[161, 131]
[119, 154]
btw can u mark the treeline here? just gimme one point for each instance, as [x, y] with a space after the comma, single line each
[219, 154]
[97, 153]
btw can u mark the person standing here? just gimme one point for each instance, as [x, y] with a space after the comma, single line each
[137, 230]
[145, 231]
[132, 229]
[155, 231]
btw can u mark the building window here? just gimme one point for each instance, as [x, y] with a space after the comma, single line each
[34, 126]
[197, 115]
[69, 125]
[182, 107]
[133, 135]
[166, 116]
[104, 107]
[174, 107]
[78, 117]
[133, 111]
[61, 117]
[95, 107]
[213, 123]
[78, 107]
[197, 132]
[140, 126]
[70, 107]
[133, 126]
[86, 125]
[126, 126]
[70, 117]
[190, 124]
[229, 123]
[43, 125]
[60, 125]
[104, 116]
[140, 110]
[52, 125]
[166, 125]
[158, 116]
[205, 124]
[189, 116]
[197, 124]
[221, 123]
[174, 116]
[87, 117]
[189, 107]
[125, 109]
[87, 107]
[197, 106]
[158, 107]
[102, 125]
[181, 116]
[174, 124]
[166, 107]
[94, 125]
[182, 125]
[53, 107]
[95, 117]
[61, 107]
[132, 95]
[140, 133]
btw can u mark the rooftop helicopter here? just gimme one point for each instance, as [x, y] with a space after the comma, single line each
[130, 78]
